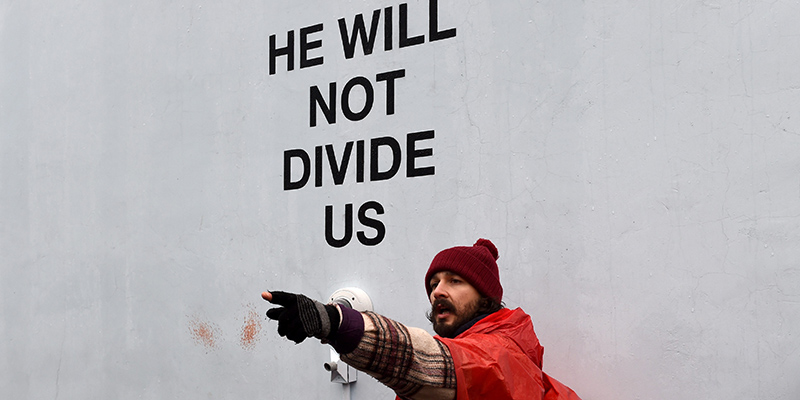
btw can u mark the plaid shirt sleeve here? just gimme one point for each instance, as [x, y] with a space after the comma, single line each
[407, 360]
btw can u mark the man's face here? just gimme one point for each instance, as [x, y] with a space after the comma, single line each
[453, 302]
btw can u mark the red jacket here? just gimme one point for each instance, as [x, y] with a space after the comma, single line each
[500, 358]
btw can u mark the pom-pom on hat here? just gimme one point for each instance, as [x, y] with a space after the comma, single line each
[477, 264]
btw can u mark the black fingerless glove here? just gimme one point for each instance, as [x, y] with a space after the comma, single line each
[301, 317]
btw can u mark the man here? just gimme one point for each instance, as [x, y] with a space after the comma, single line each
[482, 350]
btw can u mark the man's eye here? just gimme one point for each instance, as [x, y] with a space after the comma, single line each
[433, 285]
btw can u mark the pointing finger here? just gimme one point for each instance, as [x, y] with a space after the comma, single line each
[281, 298]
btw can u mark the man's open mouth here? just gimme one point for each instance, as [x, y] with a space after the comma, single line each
[443, 311]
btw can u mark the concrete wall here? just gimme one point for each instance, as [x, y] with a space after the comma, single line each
[636, 164]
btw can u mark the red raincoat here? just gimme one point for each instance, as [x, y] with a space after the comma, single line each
[500, 358]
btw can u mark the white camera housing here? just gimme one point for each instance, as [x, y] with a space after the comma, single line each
[352, 297]
[357, 299]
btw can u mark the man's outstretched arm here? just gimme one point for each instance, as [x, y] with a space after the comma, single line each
[407, 360]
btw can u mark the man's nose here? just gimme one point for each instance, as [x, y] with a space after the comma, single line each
[439, 291]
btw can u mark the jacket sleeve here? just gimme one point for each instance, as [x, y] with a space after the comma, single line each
[407, 360]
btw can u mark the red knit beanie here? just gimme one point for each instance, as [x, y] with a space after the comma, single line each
[474, 263]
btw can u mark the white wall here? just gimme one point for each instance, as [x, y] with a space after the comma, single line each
[636, 163]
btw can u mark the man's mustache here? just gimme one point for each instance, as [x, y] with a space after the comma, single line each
[444, 303]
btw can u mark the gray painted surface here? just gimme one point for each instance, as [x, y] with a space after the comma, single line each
[636, 164]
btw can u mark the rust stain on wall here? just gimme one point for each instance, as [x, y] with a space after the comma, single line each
[251, 328]
[204, 333]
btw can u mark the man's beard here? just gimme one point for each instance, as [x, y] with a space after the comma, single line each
[461, 316]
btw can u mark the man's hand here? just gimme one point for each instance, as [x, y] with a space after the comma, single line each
[301, 317]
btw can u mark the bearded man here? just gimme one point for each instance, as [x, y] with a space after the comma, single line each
[482, 349]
